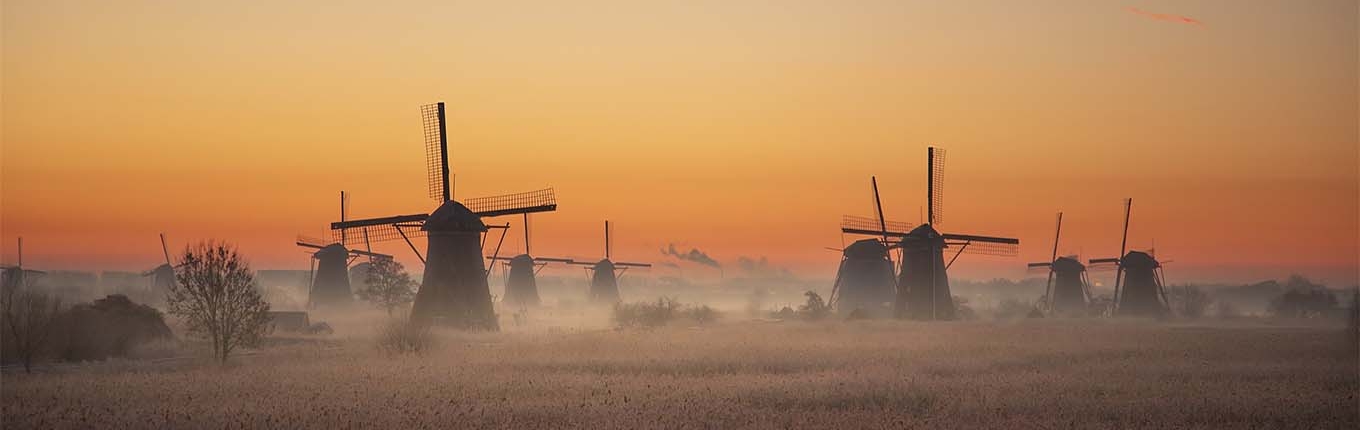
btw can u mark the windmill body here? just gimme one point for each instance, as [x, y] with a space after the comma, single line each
[865, 279]
[521, 287]
[1069, 286]
[162, 278]
[1141, 293]
[604, 283]
[923, 283]
[454, 288]
[330, 285]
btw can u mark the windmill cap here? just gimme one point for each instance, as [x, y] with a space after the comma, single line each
[1138, 259]
[866, 249]
[332, 250]
[453, 217]
[604, 264]
[521, 259]
[1067, 264]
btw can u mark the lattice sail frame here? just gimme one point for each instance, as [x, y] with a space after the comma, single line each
[432, 127]
[866, 225]
[533, 201]
[987, 248]
[937, 186]
[379, 233]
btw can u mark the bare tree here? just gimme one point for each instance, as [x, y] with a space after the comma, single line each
[30, 316]
[215, 294]
[388, 286]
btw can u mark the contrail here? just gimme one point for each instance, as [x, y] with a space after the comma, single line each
[1166, 17]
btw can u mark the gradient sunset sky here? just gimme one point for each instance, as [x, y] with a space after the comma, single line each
[741, 128]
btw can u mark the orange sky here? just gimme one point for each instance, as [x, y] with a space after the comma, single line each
[742, 128]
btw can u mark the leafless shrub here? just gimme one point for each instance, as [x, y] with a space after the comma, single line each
[30, 316]
[702, 314]
[1191, 301]
[216, 297]
[404, 336]
[646, 314]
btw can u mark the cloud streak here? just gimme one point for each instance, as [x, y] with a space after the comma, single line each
[694, 255]
[1165, 17]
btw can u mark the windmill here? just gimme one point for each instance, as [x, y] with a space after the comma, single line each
[16, 276]
[1140, 275]
[162, 276]
[604, 275]
[922, 280]
[521, 287]
[1067, 290]
[454, 287]
[330, 273]
[865, 279]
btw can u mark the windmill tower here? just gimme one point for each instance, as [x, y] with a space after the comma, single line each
[604, 275]
[923, 281]
[454, 288]
[330, 276]
[865, 279]
[162, 276]
[1067, 291]
[1140, 275]
[521, 285]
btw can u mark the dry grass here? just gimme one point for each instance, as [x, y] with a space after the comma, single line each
[865, 374]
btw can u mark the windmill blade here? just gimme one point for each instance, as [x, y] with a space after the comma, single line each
[554, 260]
[935, 185]
[384, 233]
[1039, 265]
[165, 249]
[975, 238]
[581, 263]
[608, 239]
[436, 151]
[1095, 261]
[312, 242]
[871, 227]
[499, 258]
[626, 264]
[356, 252]
[986, 248]
[519, 203]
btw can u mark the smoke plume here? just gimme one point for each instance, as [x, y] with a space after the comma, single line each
[694, 255]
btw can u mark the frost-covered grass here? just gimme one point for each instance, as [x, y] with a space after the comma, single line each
[862, 374]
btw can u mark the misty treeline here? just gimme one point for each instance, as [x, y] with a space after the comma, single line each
[214, 296]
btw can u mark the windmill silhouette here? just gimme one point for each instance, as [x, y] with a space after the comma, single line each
[1068, 290]
[454, 289]
[604, 275]
[521, 285]
[162, 276]
[865, 279]
[1139, 273]
[330, 271]
[923, 281]
[16, 276]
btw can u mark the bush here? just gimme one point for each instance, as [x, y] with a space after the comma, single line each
[1226, 310]
[815, 308]
[646, 314]
[1304, 299]
[403, 336]
[1192, 302]
[108, 327]
[701, 314]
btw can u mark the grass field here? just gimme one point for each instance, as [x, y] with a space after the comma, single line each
[865, 374]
